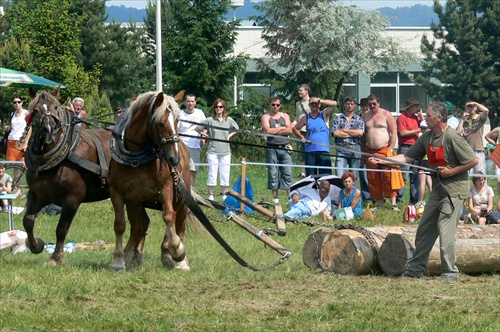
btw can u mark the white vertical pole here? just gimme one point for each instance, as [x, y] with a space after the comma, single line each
[159, 83]
[235, 91]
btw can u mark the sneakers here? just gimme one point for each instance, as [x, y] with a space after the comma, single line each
[6, 209]
[395, 207]
[224, 197]
[408, 275]
[211, 197]
[449, 277]
[276, 201]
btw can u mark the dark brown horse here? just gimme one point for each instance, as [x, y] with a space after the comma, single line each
[149, 163]
[67, 166]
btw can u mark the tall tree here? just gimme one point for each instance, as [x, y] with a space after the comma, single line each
[324, 44]
[197, 47]
[462, 61]
[52, 34]
[91, 15]
[125, 70]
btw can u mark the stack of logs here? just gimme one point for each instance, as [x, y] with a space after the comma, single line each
[388, 249]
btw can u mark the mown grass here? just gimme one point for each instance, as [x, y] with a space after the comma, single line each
[218, 294]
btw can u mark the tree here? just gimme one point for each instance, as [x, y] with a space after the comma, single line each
[91, 15]
[197, 44]
[51, 32]
[462, 62]
[125, 70]
[324, 44]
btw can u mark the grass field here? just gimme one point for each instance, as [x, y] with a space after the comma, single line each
[218, 294]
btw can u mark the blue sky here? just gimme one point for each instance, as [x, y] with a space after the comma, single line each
[368, 4]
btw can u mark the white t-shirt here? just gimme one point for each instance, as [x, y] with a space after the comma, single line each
[17, 125]
[189, 128]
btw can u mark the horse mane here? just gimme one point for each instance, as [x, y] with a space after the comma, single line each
[169, 103]
[44, 95]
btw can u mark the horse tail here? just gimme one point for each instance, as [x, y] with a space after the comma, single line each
[191, 221]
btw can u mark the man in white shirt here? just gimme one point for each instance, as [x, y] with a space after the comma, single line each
[194, 144]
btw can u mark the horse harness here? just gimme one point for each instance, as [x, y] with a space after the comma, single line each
[66, 146]
[147, 154]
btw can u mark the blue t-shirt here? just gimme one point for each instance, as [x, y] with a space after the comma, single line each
[317, 132]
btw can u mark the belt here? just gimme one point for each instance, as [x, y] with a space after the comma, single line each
[272, 146]
[348, 145]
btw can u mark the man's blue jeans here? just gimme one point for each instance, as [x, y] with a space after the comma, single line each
[413, 179]
[348, 158]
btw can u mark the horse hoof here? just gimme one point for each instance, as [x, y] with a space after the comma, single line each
[117, 267]
[182, 266]
[39, 247]
[53, 262]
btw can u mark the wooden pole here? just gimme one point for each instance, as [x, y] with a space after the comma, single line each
[251, 204]
[280, 221]
[243, 182]
[259, 234]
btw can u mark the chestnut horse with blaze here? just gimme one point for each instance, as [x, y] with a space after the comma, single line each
[149, 165]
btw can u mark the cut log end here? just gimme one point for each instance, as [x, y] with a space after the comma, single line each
[394, 254]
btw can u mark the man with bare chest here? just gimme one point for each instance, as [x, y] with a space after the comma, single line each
[380, 135]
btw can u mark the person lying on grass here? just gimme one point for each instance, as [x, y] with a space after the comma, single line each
[310, 202]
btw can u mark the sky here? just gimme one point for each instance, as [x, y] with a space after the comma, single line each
[368, 4]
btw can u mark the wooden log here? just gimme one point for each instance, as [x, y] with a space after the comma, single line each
[473, 255]
[251, 204]
[312, 248]
[280, 221]
[349, 252]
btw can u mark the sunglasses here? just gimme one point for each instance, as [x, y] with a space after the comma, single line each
[17, 102]
[219, 106]
[276, 105]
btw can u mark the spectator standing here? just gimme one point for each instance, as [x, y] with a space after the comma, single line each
[311, 202]
[317, 132]
[218, 127]
[451, 157]
[408, 126]
[301, 110]
[492, 137]
[195, 116]
[347, 128]
[380, 136]
[480, 201]
[363, 176]
[279, 174]
[15, 152]
[452, 121]
[78, 104]
[423, 179]
[471, 127]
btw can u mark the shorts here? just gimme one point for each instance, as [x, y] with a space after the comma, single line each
[301, 147]
[194, 158]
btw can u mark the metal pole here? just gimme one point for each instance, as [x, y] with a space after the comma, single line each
[235, 94]
[159, 83]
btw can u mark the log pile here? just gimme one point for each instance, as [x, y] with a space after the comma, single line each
[349, 251]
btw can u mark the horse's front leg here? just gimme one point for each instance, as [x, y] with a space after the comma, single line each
[68, 212]
[35, 244]
[172, 248]
[120, 226]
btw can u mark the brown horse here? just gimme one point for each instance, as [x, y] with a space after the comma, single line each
[149, 164]
[66, 166]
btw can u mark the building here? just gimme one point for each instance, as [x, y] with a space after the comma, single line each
[393, 88]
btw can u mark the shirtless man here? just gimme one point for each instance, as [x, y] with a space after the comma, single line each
[380, 135]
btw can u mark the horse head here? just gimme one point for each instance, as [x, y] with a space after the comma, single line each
[44, 115]
[164, 118]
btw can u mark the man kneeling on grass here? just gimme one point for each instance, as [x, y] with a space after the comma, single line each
[310, 202]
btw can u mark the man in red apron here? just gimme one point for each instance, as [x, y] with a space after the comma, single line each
[451, 157]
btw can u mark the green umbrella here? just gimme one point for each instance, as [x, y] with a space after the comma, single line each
[19, 79]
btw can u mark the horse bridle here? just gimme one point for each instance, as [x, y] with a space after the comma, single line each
[164, 140]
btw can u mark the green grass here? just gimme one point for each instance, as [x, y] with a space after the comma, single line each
[218, 294]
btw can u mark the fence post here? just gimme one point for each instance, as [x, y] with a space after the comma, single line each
[243, 181]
